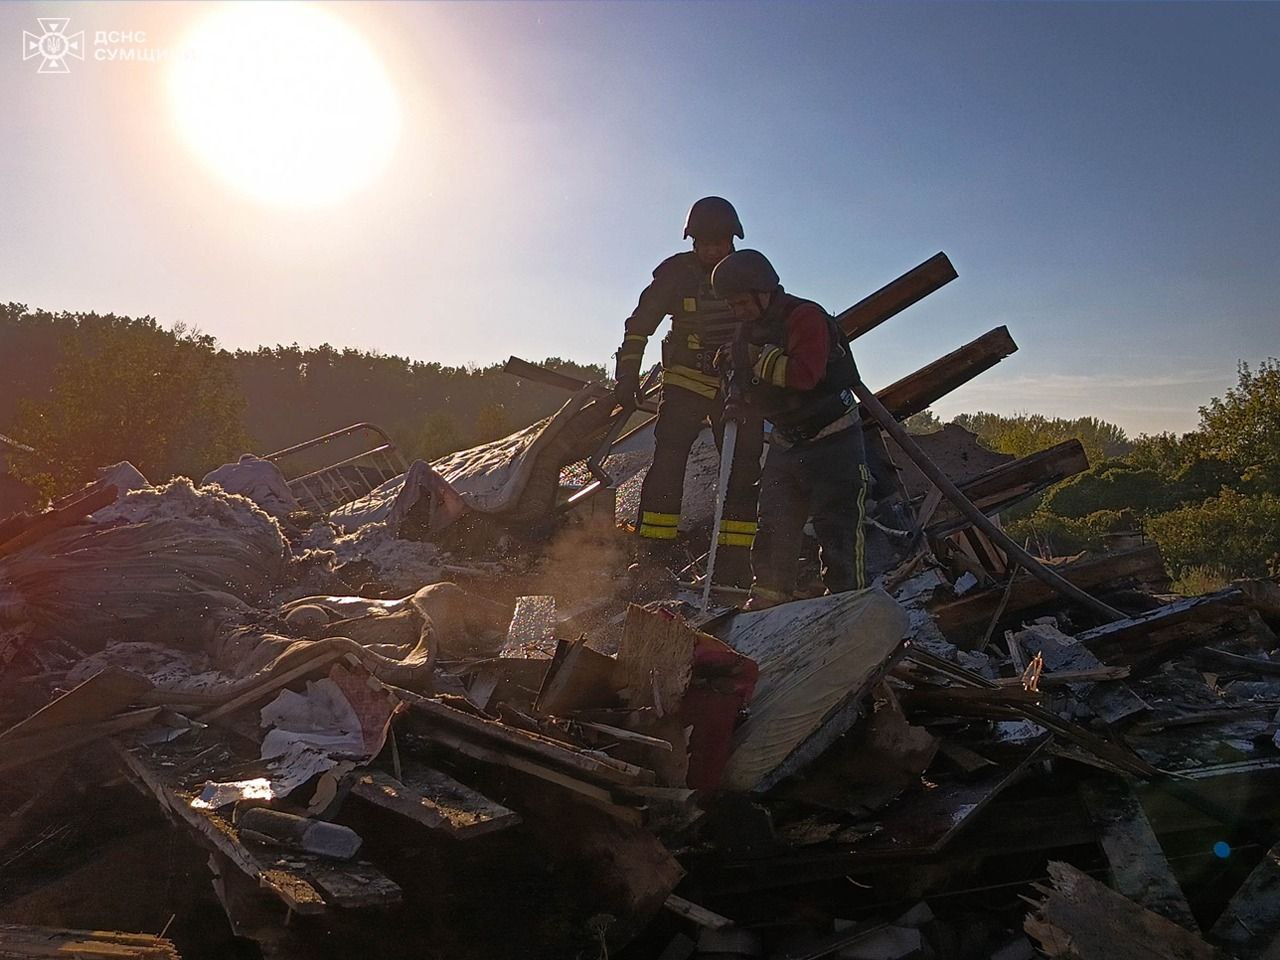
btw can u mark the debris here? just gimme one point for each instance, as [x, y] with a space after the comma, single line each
[699, 915]
[818, 660]
[435, 800]
[20, 942]
[1080, 918]
[299, 833]
[1250, 924]
[889, 756]
[1138, 866]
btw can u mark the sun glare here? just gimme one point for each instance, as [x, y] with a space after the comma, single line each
[284, 101]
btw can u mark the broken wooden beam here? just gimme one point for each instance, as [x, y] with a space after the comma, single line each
[896, 295]
[293, 889]
[68, 515]
[440, 722]
[550, 378]
[434, 800]
[917, 391]
[1139, 869]
[102, 696]
[19, 751]
[1004, 486]
[1235, 663]
[699, 915]
[1145, 641]
[19, 942]
[1081, 919]
[972, 612]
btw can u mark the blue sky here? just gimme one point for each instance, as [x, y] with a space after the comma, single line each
[1102, 175]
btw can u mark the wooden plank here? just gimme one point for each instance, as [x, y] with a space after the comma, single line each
[499, 736]
[1236, 663]
[20, 941]
[65, 516]
[271, 684]
[1137, 862]
[352, 886]
[655, 660]
[896, 295]
[292, 888]
[1081, 919]
[598, 797]
[1008, 484]
[103, 695]
[699, 915]
[579, 679]
[19, 751]
[1145, 641]
[1250, 924]
[972, 612]
[551, 378]
[435, 800]
[917, 391]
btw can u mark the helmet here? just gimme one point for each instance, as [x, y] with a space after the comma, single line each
[741, 272]
[711, 217]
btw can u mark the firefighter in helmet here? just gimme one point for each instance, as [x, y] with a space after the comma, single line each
[701, 323]
[796, 371]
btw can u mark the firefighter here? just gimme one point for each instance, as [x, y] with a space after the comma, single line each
[700, 324]
[793, 366]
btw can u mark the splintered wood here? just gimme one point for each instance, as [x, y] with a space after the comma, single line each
[655, 660]
[1084, 920]
[21, 942]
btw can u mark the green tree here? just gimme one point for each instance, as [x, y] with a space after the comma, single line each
[926, 421]
[1027, 433]
[439, 435]
[1235, 534]
[1243, 427]
[492, 422]
[166, 400]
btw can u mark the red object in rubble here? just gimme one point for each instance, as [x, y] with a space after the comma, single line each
[723, 681]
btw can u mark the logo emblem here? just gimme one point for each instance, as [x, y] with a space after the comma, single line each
[53, 46]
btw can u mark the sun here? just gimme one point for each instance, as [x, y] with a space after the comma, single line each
[284, 101]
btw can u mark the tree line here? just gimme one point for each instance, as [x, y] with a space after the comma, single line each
[1210, 498]
[86, 389]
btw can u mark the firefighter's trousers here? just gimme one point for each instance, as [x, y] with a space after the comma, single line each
[825, 480]
[681, 417]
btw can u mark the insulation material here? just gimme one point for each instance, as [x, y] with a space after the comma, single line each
[420, 491]
[171, 564]
[398, 565]
[818, 658]
[124, 476]
[259, 480]
[491, 478]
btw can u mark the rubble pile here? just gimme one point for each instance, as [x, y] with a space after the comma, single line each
[439, 719]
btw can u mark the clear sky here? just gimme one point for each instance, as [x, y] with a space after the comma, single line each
[1102, 175]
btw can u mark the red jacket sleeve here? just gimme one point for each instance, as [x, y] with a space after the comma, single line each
[808, 346]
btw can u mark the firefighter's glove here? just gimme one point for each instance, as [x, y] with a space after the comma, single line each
[734, 407]
[626, 393]
[736, 356]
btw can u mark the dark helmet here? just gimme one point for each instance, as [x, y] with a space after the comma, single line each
[741, 272]
[712, 217]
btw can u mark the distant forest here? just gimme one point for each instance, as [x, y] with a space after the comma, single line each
[86, 389]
